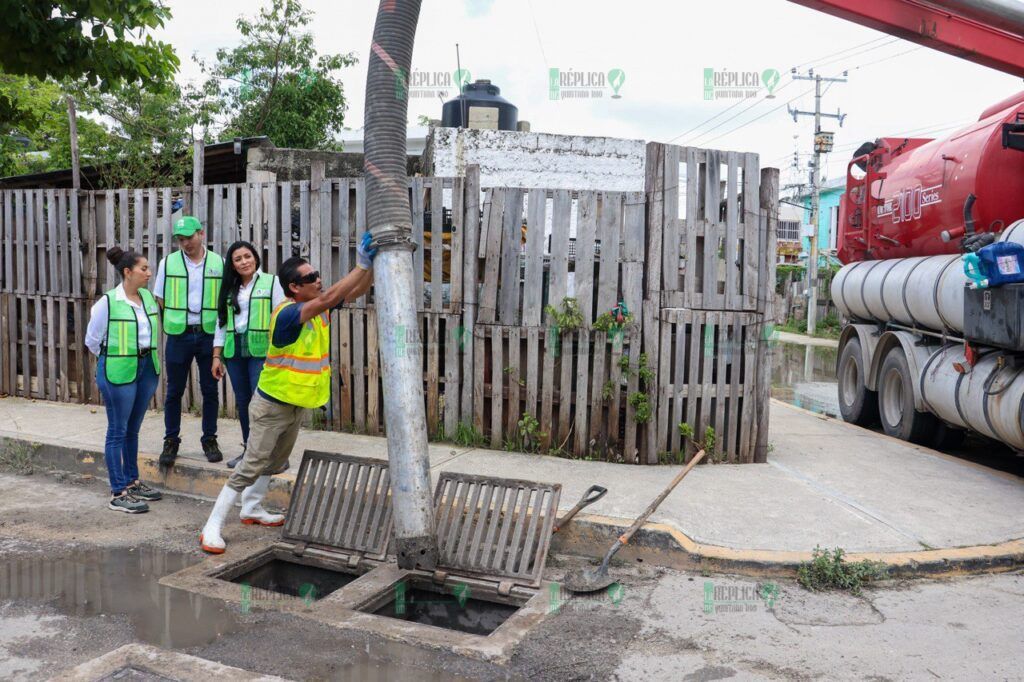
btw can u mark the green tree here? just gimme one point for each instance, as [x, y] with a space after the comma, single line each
[104, 42]
[46, 144]
[274, 83]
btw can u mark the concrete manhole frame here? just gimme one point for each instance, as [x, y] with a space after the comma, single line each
[378, 575]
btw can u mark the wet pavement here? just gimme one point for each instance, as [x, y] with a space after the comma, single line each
[805, 376]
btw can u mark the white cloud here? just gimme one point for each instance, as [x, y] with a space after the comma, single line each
[663, 48]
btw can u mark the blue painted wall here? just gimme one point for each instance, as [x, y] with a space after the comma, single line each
[830, 197]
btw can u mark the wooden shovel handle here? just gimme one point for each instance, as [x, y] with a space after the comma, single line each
[625, 537]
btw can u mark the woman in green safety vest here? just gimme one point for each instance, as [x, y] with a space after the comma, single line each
[123, 332]
[248, 297]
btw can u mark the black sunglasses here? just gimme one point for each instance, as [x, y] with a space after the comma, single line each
[308, 279]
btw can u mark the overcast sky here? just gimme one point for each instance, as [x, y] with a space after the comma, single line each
[894, 87]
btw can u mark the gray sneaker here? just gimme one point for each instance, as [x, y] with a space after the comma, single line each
[128, 503]
[144, 492]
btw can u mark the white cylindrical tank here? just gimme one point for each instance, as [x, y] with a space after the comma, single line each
[926, 292]
[988, 399]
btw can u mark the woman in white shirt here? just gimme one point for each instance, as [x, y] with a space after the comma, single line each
[248, 297]
[123, 332]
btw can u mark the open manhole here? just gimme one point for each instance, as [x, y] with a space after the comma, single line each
[493, 537]
[337, 528]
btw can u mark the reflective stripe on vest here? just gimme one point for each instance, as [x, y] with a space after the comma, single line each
[257, 334]
[175, 293]
[121, 349]
[299, 373]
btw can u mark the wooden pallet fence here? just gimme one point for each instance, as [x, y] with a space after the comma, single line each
[707, 378]
[487, 266]
[357, 394]
[570, 384]
[708, 215]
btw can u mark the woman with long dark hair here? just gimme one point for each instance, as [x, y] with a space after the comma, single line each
[248, 297]
[123, 332]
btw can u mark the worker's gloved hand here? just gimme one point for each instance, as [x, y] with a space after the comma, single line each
[364, 254]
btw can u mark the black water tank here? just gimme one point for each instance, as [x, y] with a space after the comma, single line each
[480, 106]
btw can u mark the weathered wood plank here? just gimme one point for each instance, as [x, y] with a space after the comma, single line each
[494, 209]
[497, 383]
[152, 228]
[533, 342]
[31, 244]
[586, 239]
[138, 221]
[654, 188]
[581, 442]
[694, 259]
[693, 378]
[433, 358]
[659, 394]
[611, 235]
[344, 227]
[344, 331]
[467, 340]
[272, 243]
[533, 278]
[51, 350]
[455, 250]
[62, 330]
[372, 373]
[732, 271]
[90, 264]
[721, 357]
[326, 233]
[712, 233]
[76, 245]
[8, 283]
[285, 218]
[567, 356]
[19, 259]
[305, 237]
[598, 380]
[511, 247]
[360, 226]
[109, 238]
[358, 372]
[41, 248]
[511, 376]
[436, 246]
[552, 344]
[652, 344]
[751, 227]
[708, 360]
[561, 210]
[479, 341]
[418, 230]
[451, 372]
[53, 246]
[672, 319]
[25, 358]
[40, 373]
[670, 220]
[769, 203]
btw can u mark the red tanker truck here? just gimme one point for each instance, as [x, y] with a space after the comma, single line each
[922, 352]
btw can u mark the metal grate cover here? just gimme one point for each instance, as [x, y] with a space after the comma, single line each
[342, 502]
[496, 528]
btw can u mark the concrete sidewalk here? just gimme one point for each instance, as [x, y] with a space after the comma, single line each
[826, 483]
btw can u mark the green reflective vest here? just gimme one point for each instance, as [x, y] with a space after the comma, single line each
[122, 347]
[175, 293]
[257, 336]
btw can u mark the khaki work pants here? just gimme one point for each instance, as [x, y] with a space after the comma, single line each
[273, 428]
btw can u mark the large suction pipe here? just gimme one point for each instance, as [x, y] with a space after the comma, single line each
[1007, 15]
[388, 218]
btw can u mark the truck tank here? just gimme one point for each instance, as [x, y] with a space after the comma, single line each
[925, 292]
[904, 193]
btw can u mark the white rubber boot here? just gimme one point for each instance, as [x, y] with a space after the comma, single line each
[210, 540]
[253, 512]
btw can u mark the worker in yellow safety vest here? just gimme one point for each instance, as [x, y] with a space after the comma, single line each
[188, 288]
[296, 377]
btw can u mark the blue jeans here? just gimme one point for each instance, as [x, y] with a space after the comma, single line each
[179, 353]
[245, 375]
[126, 406]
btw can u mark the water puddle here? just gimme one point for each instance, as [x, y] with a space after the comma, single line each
[121, 582]
[805, 376]
[450, 611]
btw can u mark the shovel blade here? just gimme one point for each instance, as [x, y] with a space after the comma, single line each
[588, 579]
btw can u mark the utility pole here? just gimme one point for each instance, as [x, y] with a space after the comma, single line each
[822, 144]
[76, 171]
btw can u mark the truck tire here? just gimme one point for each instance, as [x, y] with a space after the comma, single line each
[857, 404]
[948, 437]
[896, 402]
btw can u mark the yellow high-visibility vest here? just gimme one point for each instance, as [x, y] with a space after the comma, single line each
[300, 373]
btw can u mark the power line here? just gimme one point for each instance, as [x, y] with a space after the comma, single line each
[756, 102]
[536, 30]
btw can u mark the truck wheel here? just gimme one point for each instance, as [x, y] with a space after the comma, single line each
[857, 404]
[896, 402]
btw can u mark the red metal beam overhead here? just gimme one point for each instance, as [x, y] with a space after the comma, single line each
[934, 27]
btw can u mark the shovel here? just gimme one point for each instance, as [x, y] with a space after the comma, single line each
[591, 579]
[593, 494]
